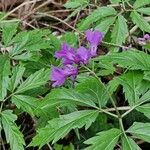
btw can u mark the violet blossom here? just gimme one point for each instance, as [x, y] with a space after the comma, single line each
[94, 38]
[83, 55]
[73, 58]
[59, 75]
[68, 54]
[144, 40]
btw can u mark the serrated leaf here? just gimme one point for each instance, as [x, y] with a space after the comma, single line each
[119, 32]
[26, 103]
[12, 133]
[34, 80]
[140, 131]
[4, 73]
[129, 144]
[62, 97]
[147, 75]
[16, 77]
[95, 89]
[70, 38]
[8, 31]
[131, 59]
[144, 10]
[34, 40]
[140, 21]
[131, 83]
[97, 15]
[105, 24]
[107, 68]
[139, 3]
[145, 97]
[145, 109]
[105, 140]
[59, 127]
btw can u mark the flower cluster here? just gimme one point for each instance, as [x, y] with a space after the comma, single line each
[72, 58]
[144, 40]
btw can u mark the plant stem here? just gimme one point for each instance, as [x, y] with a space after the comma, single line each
[1, 107]
[112, 101]
[107, 112]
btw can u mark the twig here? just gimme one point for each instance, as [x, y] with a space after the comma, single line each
[16, 8]
[51, 16]
[49, 147]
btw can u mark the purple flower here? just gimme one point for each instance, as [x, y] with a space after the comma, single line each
[83, 55]
[59, 75]
[94, 38]
[147, 37]
[141, 41]
[71, 71]
[68, 54]
[144, 40]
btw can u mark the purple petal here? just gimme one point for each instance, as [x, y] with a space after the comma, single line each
[63, 51]
[57, 76]
[142, 41]
[70, 70]
[93, 50]
[83, 54]
[67, 53]
[147, 37]
[94, 37]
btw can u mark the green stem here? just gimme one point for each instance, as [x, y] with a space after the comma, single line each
[1, 107]
[122, 128]
[107, 112]
[132, 108]
[112, 101]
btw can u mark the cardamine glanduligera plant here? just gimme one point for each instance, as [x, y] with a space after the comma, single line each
[72, 58]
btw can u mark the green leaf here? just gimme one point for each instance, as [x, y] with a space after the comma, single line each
[140, 131]
[70, 38]
[145, 97]
[131, 83]
[34, 40]
[59, 127]
[95, 89]
[107, 68]
[8, 31]
[63, 97]
[139, 3]
[16, 77]
[105, 24]
[12, 133]
[115, 1]
[96, 15]
[4, 73]
[129, 144]
[105, 140]
[145, 109]
[75, 3]
[119, 32]
[140, 21]
[26, 103]
[34, 80]
[147, 75]
[131, 59]
[144, 10]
